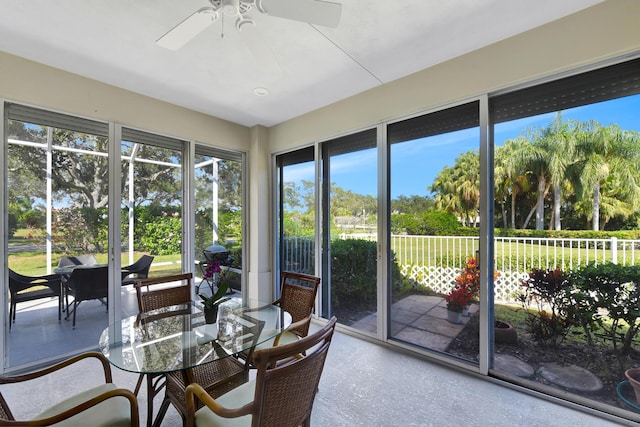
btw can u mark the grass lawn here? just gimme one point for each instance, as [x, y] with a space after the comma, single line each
[33, 263]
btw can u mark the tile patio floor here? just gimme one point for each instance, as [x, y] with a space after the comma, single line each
[420, 320]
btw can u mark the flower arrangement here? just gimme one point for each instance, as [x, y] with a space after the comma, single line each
[457, 299]
[217, 276]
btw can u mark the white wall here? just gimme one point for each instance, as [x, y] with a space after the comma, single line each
[31, 83]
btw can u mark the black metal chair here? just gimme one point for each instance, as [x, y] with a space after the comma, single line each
[136, 271]
[86, 283]
[29, 288]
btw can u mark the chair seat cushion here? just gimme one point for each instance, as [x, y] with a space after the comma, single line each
[33, 294]
[285, 338]
[236, 398]
[112, 412]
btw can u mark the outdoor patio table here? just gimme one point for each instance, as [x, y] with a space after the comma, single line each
[176, 338]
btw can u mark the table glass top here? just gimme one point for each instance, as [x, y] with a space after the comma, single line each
[176, 337]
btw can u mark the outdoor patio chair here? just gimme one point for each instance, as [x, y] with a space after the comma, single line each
[102, 405]
[84, 284]
[137, 270]
[29, 288]
[282, 393]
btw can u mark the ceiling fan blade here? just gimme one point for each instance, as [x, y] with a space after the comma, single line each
[317, 12]
[179, 35]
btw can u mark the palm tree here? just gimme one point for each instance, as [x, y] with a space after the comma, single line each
[607, 161]
[457, 188]
[535, 158]
[510, 172]
[559, 140]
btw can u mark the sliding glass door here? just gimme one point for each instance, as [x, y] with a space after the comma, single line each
[57, 188]
[434, 197]
[350, 230]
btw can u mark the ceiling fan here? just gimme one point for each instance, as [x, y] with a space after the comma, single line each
[317, 12]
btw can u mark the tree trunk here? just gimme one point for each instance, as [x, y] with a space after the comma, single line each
[596, 207]
[557, 195]
[505, 223]
[513, 211]
[540, 205]
[528, 218]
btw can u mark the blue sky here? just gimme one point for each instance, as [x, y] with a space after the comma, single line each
[416, 163]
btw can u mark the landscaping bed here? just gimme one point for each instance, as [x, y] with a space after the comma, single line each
[598, 358]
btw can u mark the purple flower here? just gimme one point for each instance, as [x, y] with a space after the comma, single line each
[212, 268]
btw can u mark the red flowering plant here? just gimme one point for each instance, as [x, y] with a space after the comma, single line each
[457, 299]
[469, 278]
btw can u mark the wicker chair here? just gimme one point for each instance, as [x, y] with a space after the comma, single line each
[29, 288]
[216, 377]
[282, 393]
[84, 284]
[297, 297]
[101, 405]
[152, 299]
[136, 271]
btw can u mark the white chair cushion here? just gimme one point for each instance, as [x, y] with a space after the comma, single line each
[236, 398]
[286, 338]
[114, 412]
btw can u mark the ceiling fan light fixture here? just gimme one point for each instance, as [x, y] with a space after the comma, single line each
[230, 7]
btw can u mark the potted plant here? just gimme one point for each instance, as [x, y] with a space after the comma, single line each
[457, 299]
[211, 303]
[633, 376]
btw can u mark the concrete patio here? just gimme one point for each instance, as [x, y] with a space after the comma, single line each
[420, 320]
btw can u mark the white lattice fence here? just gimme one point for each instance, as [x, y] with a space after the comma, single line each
[442, 280]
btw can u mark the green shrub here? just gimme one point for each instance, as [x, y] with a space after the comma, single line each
[547, 291]
[608, 291]
[354, 273]
[162, 235]
[428, 224]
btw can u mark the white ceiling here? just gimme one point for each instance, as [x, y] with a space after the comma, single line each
[304, 67]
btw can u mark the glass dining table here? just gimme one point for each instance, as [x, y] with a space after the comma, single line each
[176, 338]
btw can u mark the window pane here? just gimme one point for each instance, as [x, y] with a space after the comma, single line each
[296, 175]
[218, 199]
[435, 200]
[350, 229]
[58, 207]
[151, 209]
